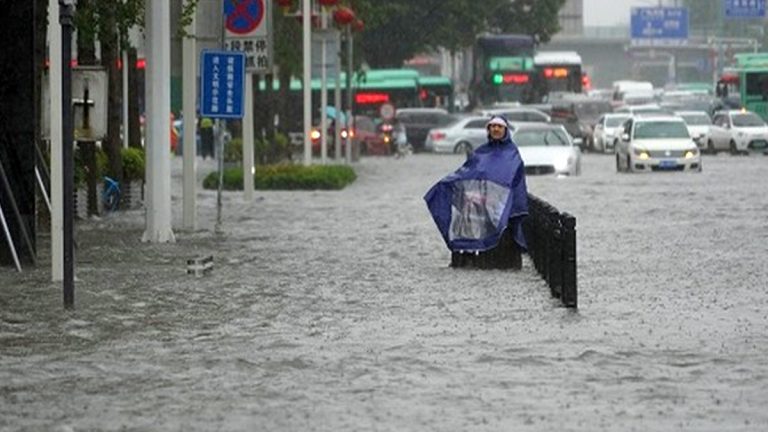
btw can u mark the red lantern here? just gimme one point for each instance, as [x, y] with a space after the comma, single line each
[285, 5]
[328, 3]
[358, 25]
[343, 15]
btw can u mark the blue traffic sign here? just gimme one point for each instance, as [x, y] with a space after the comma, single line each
[243, 16]
[744, 8]
[659, 25]
[222, 78]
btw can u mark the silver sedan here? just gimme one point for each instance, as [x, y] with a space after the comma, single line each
[461, 136]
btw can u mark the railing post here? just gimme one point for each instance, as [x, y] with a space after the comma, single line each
[570, 297]
[556, 254]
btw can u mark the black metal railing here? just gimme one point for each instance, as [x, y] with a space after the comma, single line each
[551, 239]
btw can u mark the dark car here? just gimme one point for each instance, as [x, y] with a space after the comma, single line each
[418, 122]
[579, 116]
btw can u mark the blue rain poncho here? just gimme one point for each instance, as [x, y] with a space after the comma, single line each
[487, 195]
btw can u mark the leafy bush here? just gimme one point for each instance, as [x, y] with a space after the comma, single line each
[287, 177]
[133, 163]
[233, 150]
[265, 152]
[81, 170]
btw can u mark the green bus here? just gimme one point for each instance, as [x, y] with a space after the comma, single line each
[749, 80]
[502, 69]
[436, 91]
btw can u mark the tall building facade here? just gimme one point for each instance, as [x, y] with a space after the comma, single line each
[571, 17]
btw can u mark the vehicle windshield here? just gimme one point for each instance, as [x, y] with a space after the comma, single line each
[661, 129]
[696, 119]
[613, 122]
[540, 137]
[649, 110]
[747, 120]
[591, 110]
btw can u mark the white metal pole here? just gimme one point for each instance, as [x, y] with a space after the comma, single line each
[189, 148]
[158, 99]
[350, 99]
[57, 202]
[248, 168]
[9, 239]
[323, 90]
[337, 100]
[307, 46]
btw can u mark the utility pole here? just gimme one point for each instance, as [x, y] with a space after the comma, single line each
[66, 19]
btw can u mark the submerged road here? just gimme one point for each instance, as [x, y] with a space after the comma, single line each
[337, 311]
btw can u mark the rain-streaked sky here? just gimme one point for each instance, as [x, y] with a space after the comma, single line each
[611, 12]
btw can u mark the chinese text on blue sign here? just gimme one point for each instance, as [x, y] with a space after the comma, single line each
[222, 78]
[659, 26]
[744, 8]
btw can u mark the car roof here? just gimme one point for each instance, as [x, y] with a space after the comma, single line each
[536, 126]
[422, 110]
[652, 118]
[691, 112]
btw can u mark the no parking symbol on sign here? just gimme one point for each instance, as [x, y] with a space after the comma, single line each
[248, 29]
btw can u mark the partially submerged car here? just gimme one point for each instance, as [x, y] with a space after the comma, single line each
[656, 143]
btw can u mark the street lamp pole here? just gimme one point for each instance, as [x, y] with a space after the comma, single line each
[350, 118]
[66, 19]
[307, 87]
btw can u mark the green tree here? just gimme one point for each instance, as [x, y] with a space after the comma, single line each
[398, 29]
[537, 18]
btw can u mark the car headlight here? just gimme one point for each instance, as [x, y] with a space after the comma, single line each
[691, 153]
[562, 163]
[641, 153]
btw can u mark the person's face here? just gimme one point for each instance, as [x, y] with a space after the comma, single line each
[496, 131]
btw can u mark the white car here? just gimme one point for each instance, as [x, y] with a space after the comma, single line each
[607, 131]
[461, 136]
[547, 149]
[737, 132]
[519, 114]
[644, 109]
[656, 143]
[698, 123]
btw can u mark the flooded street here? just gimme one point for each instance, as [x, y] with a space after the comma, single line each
[337, 311]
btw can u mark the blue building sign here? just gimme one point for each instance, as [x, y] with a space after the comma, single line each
[744, 8]
[222, 78]
[656, 26]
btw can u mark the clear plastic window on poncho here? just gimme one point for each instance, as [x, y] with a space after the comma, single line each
[476, 208]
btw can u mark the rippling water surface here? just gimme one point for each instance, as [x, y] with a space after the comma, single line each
[337, 311]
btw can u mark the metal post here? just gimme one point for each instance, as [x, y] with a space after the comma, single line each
[189, 177]
[8, 237]
[323, 88]
[126, 140]
[55, 179]
[337, 102]
[220, 164]
[307, 87]
[42, 190]
[570, 294]
[158, 98]
[248, 140]
[66, 14]
[350, 114]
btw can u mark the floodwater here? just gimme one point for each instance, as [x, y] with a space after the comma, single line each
[337, 311]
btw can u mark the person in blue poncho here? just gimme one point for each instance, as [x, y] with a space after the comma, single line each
[473, 206]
